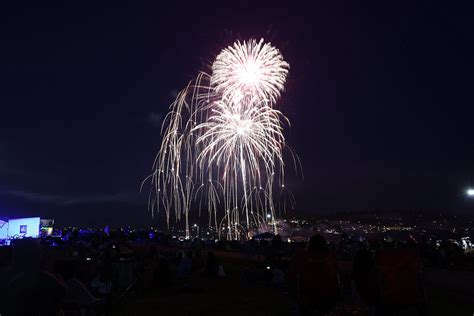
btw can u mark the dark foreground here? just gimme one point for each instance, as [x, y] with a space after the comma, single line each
[116, 276]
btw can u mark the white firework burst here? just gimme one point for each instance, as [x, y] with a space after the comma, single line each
[250, 68]
[223, 141]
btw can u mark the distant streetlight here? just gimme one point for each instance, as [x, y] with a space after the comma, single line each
[470, 192]
[269, 215]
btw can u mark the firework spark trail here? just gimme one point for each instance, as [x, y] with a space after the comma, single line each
[223, 141]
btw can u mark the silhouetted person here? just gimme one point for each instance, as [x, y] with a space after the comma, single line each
[314, 278]
[185, 266]
[277, 243]
[198, 262]
[5, 274]
[212, 264]
[400, 275]
[106, 268]
[152, 253]
[179, 257]
[317, 243]
[365, 277]
[163, 277]
[31, 290]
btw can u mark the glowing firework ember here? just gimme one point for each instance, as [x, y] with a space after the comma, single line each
[223, 142]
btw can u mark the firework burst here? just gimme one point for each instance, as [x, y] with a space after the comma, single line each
[250, 68]
[223, 142]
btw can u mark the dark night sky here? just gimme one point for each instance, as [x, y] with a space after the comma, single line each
[380, 100]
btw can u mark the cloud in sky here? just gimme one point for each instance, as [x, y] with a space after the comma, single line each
[173, 93]
[68, 200]
[155, 119]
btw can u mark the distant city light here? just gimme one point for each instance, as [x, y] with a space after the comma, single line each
[470, 192]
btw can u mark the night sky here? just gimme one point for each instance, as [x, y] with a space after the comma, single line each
[380, 99]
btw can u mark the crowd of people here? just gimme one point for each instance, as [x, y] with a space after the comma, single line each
[89, 274]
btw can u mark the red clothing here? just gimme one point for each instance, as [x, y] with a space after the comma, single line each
[316, 278]
[398, 275]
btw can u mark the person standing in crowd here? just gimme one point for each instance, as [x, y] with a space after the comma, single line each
[32, 290]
